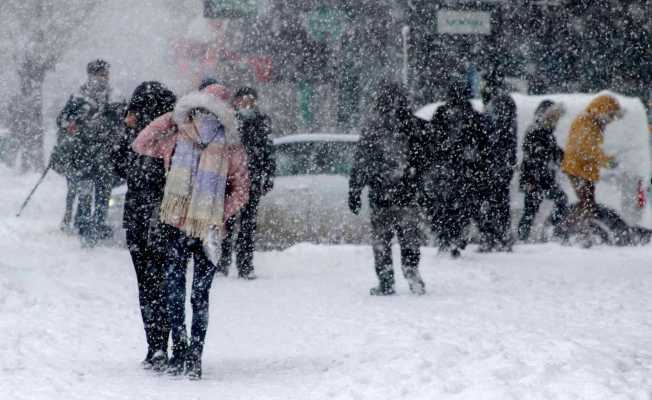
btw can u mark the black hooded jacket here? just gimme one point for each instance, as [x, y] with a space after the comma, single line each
[541, 158]
[390, 155]
[145, 175]
[255, 131]
[502, 136]
[458, 148]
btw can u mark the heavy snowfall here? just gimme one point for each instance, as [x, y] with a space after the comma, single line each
[345, 199]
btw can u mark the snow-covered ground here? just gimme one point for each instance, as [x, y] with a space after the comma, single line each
[546, 322]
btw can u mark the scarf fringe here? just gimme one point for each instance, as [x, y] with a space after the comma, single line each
[174, 209]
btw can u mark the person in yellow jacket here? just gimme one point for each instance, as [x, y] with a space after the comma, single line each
[584, 157]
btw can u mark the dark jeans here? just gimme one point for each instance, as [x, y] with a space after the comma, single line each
[181, 248]
[402, 222]
[533, 200]
[93, 205]
[246, 241]
[495, 228]
[148, 259]
[72, 191]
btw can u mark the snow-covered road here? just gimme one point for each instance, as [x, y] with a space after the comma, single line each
[546, 322]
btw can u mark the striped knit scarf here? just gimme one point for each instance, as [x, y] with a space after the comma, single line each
[193, 200]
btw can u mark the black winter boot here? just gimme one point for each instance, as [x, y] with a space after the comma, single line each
[177, 364]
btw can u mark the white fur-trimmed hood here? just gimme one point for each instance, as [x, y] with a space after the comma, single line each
[217, 106]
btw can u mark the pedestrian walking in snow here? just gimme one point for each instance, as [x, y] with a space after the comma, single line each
[145, 177]
[456, 166]
[82, 154]
[255, 129]
[207, 183]
[541, 159]
[584, 158]
[501, 156]
[388, 161]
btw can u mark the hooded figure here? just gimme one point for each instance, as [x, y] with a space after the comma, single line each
[541, 158]
[584, 157]
[82, 154]
[145, 178]
[388, 160]
[501, 161]
[255, 130]
[456, 167]
[207, 182]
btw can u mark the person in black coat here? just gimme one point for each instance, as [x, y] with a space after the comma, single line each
[86, 135]
[501, 160]
[145, 178]
[541, 158]
[255, 130]
[389, 159]
[457, 168]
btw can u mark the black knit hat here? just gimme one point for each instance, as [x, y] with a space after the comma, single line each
[543, 107]
[98, 66]
[246, 91]
[206, 82]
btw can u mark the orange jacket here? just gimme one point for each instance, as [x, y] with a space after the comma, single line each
[583, 156]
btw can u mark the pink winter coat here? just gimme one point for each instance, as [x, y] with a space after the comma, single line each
[158, 140]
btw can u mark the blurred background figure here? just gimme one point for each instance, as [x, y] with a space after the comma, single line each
[255, 131]
[584, 158]
[541, 159]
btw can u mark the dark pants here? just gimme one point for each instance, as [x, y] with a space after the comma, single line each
[385, 223]
[72, 191]
[148, 259]
[586, 207]
[93, 205]
[454, 205]
[246, 241]
[495, 228]
[181, 248]
[533, 200]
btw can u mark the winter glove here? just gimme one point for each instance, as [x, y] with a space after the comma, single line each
[612, 163]
[268, 185]
[354, 202]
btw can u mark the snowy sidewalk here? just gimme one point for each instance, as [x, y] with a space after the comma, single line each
[546, 322]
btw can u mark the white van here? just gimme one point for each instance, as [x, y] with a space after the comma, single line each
[623, 189]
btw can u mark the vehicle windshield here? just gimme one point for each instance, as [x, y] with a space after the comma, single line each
[314, 158]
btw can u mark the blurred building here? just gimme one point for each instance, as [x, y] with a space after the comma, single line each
[316, 63]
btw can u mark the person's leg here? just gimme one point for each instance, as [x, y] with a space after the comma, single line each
[84, 207]
[203, 274]
[71, 193]
[585, 191]
[103, 186]
[504, 216]
[560, 210]
[227, 245]
[246, 242]
[531, 206]
[137, 245]
[176, 263]
[407, 231]
[381, 240]
[157, 274]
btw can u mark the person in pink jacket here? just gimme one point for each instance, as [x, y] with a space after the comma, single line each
[207, 182]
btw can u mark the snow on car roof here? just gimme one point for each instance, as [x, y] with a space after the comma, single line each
[316, 137]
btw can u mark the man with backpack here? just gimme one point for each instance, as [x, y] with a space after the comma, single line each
[388, 161]
[82, 154]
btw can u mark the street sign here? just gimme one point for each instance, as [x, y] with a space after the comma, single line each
[230, 8]
[463, 22]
